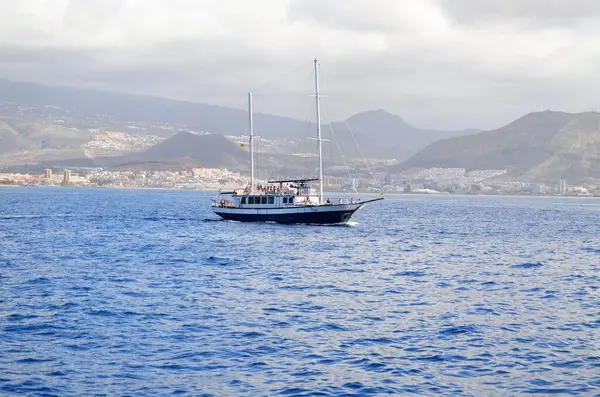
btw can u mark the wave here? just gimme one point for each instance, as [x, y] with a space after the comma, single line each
[528, 265]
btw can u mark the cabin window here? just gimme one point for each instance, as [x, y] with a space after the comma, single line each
[264, 199]
[243, 200]
[250, 200]
[271, 200]
[285, 200]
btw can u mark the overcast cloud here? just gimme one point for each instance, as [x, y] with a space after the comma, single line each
[437, 63]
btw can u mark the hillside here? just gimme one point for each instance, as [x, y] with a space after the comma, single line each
[539, 146]
[10, 140]
[210, 150]
[126, 107]
[37, 142]
[381, 135]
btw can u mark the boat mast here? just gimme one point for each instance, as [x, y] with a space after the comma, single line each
[251, 141]
[318, 97]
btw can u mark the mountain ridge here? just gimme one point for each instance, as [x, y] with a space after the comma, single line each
[211, 150]
[380, 134]
[397, 138]
[547, 146]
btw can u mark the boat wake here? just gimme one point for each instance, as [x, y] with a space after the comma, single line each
[345, 224]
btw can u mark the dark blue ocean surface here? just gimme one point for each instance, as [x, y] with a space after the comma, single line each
[107, 292]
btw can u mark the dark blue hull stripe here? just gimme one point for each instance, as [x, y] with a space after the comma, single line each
[324, 217]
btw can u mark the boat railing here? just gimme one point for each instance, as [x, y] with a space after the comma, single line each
[223, 204]
[340, 201]
[276, 191]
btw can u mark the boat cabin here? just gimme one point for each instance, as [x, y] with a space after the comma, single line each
[266, 201]
[272, 196]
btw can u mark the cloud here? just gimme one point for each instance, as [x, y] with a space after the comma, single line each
[541, 12]
[437, 63]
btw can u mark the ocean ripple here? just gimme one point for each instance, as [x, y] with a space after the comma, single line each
[122, 292]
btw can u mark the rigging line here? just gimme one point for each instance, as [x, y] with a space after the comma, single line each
[352, 135]
[279, 78]
[306, 147]
[339, 149]
[298, 145]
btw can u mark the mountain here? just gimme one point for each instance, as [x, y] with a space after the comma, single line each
[182, 150]
[37, 142]
[127, 107]
[210, 150]
[10, 140]
[544, 146]
[380, 134]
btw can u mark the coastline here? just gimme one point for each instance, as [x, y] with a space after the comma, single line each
[597, 195]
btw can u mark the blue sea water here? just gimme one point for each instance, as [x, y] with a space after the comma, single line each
[117, 292]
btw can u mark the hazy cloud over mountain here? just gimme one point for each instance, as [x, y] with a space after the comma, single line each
[438, 63]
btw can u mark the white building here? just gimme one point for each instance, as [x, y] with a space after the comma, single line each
[562, 186]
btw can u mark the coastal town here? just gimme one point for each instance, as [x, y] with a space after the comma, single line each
[429, 181]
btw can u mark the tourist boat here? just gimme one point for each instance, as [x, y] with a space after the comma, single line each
[289, 200]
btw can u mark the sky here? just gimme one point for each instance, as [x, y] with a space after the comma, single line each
[446, 64]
